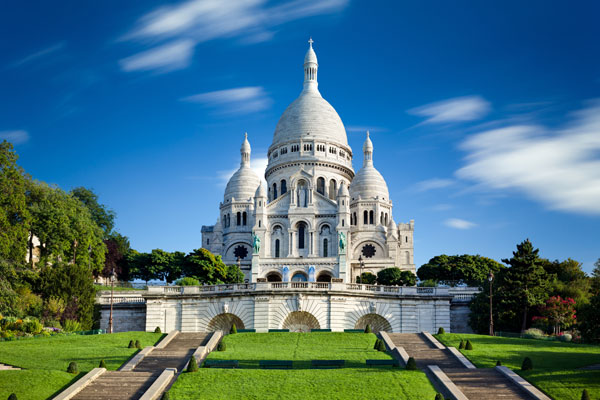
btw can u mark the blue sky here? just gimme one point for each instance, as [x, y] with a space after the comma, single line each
[484, 116]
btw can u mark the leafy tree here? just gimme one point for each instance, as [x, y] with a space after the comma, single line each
[117, 247]
[568, 280]
[459, 270]
[187, 281]
[14, 216]
[205, 266]
[589, 317]
[104, 217]
[595, 286]
[234, 274]
[139, 266]
[396, 277]
[559, 312]
[366, 278]
[526, 280]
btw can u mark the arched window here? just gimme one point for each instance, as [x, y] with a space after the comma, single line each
[332, 189]
[259, 223]
[283, 187]
[301, 233]
[276, 248]
[365, 217]
[371, 217]
[274, 191]
[321, 186]
[207, 241]
[386, 219]
[244, 218]
[239, 218]
[381, 218]
[343, 222]
[325, 248]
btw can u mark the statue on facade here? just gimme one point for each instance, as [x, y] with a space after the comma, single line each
[342, 237]
[255, 243]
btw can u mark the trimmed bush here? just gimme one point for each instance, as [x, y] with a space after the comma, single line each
[233, 329]
[102, 364]
[533, 333]
[73, 368]
[138, 345]
[193, 365]
[166, 396]
[527, 364]
[411, 364]
[498, 363]
[131, 344]
[376, 345]
[368, 329]
[380, 345]
[157, 330]
[469, 345]
[584, 395]
[566, 337]
[221, 346]
[439, 396]
[441, 331]
[461, 346]
[13, 396]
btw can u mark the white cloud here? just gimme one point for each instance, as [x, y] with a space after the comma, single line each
[459, 109]
[15, 137]
[435, 183]
[39, 54]
[197, 21]
[240, 100]
[442, 207]
[258, 165]
[365, 128]
[559, 168]
[458, 223]
[168, 57]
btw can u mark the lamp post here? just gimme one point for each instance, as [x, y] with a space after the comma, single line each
[362, 265]
[491, 279]
[112, 289]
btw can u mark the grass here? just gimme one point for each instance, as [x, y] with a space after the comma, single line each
[355, 381]
[46, 359]
[556, 365]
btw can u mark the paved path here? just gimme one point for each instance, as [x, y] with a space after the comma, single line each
[4, 367]
[119, 385]
[476, 384]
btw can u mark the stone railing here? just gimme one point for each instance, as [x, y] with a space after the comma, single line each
[463, 294]
[120, 299]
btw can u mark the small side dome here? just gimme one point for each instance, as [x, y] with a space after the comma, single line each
[260, 191]
[343, 191]
[368, 145]
[311, 56]
[242, 185]
[369, 184]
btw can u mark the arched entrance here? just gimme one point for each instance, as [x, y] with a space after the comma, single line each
[324, 277]
[223, 322]
[377, 322]
[299, 277]
[273, 277]
[300, 321]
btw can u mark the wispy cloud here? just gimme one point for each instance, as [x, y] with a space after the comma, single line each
[442, 207]
[558, 167]
[258, 165]
[435, 183]
[168, 57]
[365, 128]
[240, 100]
[458, 223]
[459, 109]
[197, 21]
[15, 137]
[39, 54]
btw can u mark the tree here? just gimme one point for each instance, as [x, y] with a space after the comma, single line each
[595, 286]
[560, 313]
[14, 216]
[589, 318]
[117, 246]
[139, 266]
[205, 266]
[567, 279]
[234, 274]
[526, 280]
[104, 217]
[459, 270]
[366, 278]
[396, 277]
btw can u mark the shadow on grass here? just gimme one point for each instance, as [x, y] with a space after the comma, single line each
[75, 379]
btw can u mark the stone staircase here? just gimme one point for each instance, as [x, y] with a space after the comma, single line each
[131, 385]
[476, 384]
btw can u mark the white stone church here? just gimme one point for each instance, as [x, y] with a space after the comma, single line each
[317, 219]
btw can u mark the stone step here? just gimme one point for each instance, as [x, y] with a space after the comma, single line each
[116, 385]
[481, 383]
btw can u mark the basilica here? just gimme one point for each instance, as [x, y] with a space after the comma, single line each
[316, 219]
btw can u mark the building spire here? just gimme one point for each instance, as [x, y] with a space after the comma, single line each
[310, 68]
[245, 151]
[368, 151]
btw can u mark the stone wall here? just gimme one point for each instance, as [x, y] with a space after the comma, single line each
[126, 317]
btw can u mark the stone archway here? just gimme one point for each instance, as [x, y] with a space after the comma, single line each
[300, 321]
[377, 322]
[223, 322]
[273, 277]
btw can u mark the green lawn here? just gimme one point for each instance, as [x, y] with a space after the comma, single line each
[556, 365]
[355, 381]
[46, 359]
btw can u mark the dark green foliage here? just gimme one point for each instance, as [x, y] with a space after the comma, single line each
[461, 345]
[138, 345]
[441, 331]
[73, 368]
[131, 344]
[439, 396]
[396, 277]
[585, 395]
[12, 396]
[187, 281]
[411, 364]
[589, 318]
[368, 329]
[166, 396]
[233, 329]
[103, 217]
[234, 274]
[527, 364]
[367, 278]
[458, 270]
[381, 346]
[376, 345]
[222, 346]
[469, 345]
[193, 365]
[157, 330]
[102, 364]
[498, 363]
[205, 266]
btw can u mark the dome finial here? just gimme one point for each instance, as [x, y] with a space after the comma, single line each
[368, 150]
[310, 42]
[245, 150]
[310, 68]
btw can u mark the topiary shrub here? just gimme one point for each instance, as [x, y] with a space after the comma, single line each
[469, 345]
[498, 363]
[157, 330]
[584, 395]
[233, 329]
[73, 368]
[166, 396]
[221, 346]
[131, 344]
[368, 329]
[411, 364]
[138, 345]
[439, 396]
[441, 331]
[461, 346]
[193, 365]
[102, 364]
[13, 396]
[376, 345]
[380, 345]
[527, 364]
[566, 337]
